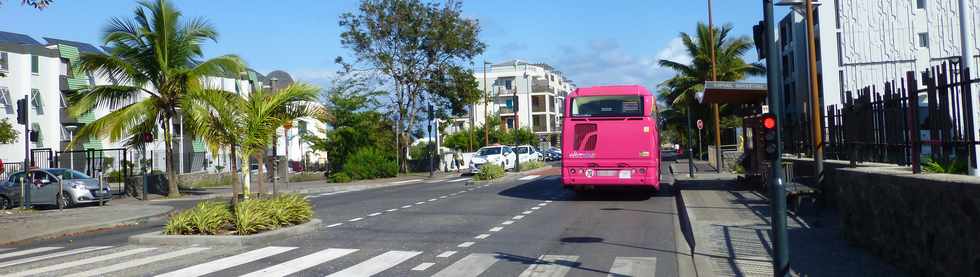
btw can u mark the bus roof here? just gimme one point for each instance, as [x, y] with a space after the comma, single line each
[611, 90]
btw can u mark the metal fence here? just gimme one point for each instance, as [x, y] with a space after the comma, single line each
[904, 121]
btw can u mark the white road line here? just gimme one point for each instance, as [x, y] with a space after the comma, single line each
[422, 266]
[52, 255]
[471, 265]
[634, 266]
[518, 217]
[228, 262]
[27, 252]
[335, 225]
[554, 265]
[458, 180]
[99, 271]
[462, 191]
[535, 208]
[527, 212]
[420, 203]
[465, 244]
[482, 236]
[356, 219]
[446, 254]
[547, 201]
[509, 222]
[374, 214]
[377, 264]
[543, 204]
[391, 210]
[529, 177]
[301, 263]
[406, 206]
[407, 181]
[496, 229]
[444, 196]
[82, 262]
[433, 199]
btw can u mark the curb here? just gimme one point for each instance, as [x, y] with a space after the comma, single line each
[158, 238]
[389, 183]
[82, 228]
[509, 177]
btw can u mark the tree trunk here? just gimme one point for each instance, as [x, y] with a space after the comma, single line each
[247, 170]
[235, 184]
[173, 190]
[260, 188]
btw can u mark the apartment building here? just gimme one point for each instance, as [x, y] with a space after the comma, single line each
[28, 67]
[536, 91]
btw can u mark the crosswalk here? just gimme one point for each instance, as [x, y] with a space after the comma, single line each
[302, 261]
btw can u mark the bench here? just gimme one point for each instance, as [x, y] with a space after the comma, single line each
[800, 189]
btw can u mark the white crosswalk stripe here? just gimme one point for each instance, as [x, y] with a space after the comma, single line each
[550, 265]
[301, 263]
[634, 267]
[82, 262]
[27, 252]
[52, 255]
[137, 262]
[228, 262]
[376, 264]
[471, 265]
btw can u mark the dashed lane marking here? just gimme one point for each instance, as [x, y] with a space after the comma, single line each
[422, 266]
[518, 217]
[496, 229]
[356, 219]
[334, 225]
[374, 214]
[482, 236]
[446, 254]
[509, 222]
[406, 206]
[465, 244]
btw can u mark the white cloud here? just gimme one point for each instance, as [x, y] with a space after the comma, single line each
[605, 62]
[675, 51]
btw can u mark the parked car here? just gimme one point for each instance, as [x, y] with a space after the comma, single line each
[496, 154]
[77, 188]
[528, 153]
[552, 154]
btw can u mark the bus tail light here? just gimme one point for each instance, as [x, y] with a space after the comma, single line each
[571, 171]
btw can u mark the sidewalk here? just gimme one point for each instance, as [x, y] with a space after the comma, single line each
[21, 225]
[732, 234]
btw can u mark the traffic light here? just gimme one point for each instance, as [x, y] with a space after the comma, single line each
[759, 37]
[769, 126]
[147, 137]
[22, 111]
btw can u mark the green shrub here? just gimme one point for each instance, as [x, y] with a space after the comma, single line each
[531, 165]
[210, 217]
[252, 216]
[116, 176]
[370, 163]
[179, 224]
[289, 209]
[340, 177]
[957, 166]
[490, 172]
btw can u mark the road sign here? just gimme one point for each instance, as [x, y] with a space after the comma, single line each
[700, 124]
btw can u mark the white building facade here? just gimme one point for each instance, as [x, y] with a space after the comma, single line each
[27, 67]
[535, 91]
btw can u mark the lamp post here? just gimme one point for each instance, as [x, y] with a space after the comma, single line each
[275, 154]
[486, 106]
[777, 195]
[714, 77]
[286, 126]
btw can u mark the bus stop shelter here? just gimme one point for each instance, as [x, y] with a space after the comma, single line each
[749, 99]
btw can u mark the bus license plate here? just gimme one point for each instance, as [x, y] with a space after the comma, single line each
[607, 173]
[625, 174]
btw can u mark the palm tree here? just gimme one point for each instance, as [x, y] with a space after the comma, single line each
[248, 124]
[155, 61]
[730, 65]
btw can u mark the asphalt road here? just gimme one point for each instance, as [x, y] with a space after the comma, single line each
[524, 227]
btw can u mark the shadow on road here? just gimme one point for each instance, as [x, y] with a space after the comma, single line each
[535, 261]
[545, 189]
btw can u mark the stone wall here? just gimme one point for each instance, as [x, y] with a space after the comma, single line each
[928, 224]
[804, 167]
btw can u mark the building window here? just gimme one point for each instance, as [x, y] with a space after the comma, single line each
[924, 40]
[34, 64]
[302, 128]
[920, 4]
[508, 84]
[5, 102]
[4, 65]
[40, 134]
[66, 68]
[36, 101]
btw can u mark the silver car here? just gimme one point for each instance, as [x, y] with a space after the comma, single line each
[45, 184]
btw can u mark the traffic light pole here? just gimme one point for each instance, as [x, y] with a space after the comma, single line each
[28, 180]
[777, 192]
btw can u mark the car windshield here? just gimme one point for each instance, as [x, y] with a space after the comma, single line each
[68, 174]
[521, 150]
[608, 106]
[489, 151]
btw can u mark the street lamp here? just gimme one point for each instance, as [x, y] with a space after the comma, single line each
[486, 106]
[275, 152]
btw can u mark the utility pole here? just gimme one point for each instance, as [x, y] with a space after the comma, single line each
[966, 68]
[28, 180]
[816, 110]
[431, 143]
[690, 141]
[275, 142]
[777, 192]
[714, 77]
[486, 105]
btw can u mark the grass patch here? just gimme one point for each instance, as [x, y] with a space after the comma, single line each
[248, 217]
[306, 177]
[489, 172]
[531, 165]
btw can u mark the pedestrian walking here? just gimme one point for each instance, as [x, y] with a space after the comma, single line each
[457, 161]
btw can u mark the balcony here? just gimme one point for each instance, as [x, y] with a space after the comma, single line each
[542, 86]
[66, 83]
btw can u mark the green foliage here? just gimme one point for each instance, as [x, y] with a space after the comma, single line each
[421, 151]
[490, 172]
[252, 216]
[370, 163]
[179, 224]
[461, 140]
[340, 177]
[531, 165]
[8, 134]
[356, 122]
[524, 135]
[737, 168]
[209, 217]
[957, 166]
[115, 176]
[289, 209]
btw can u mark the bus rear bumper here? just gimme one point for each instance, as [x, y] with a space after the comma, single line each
[648, 182]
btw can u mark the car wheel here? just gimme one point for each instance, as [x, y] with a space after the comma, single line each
[66, 200]
[5, 203]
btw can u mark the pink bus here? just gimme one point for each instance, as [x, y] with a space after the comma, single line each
[610, 139]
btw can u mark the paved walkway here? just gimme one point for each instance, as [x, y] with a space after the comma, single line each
[732, 234]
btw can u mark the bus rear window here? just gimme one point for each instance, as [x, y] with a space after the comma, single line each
[610, 106]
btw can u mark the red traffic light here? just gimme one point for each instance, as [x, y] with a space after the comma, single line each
[769, 121]
[147, 137]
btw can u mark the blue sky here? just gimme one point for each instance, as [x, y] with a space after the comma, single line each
[593, 42]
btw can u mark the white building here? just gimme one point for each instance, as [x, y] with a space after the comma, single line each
[540, 91]
[26, 66]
